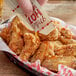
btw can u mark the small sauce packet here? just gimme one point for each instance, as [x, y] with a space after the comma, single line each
[39, 20]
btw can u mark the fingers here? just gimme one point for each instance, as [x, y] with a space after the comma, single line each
[26, 6]
[42, 2]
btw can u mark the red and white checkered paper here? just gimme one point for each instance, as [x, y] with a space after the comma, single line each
[62, 69]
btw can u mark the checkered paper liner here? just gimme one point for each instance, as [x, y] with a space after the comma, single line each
[35, 67]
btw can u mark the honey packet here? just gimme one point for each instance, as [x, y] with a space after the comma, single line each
[39, 21]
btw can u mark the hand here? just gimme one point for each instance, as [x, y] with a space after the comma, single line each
[27, 6]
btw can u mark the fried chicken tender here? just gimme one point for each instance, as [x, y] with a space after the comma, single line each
[16, 41]
[66, 33]
[67, 41]
[46, 48]
[52, 63]
[5, 34]
[67, 50]
[31, 44]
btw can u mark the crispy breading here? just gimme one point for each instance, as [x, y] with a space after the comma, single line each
[66, 33]
[67, 50]
[20, 25]
[52, 63]
[46, 48]
[16, 41]
[66, 40]
[31, 44]
[57, 44]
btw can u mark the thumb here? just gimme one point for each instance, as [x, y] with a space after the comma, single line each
[26, 6]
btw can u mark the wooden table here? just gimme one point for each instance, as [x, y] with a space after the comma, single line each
[7, 68]
[63, 10]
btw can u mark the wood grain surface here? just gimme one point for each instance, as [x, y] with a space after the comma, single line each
[63, 10]
[7, 68]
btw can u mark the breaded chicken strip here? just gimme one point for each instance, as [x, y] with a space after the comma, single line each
[67, 50]
[16, 41]
[52, 63]
[46, 48]
[31, 44]
[7, 31]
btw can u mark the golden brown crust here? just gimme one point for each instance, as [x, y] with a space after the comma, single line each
[31, 44]
[21, 26]
[66, 40]
[66, 33]
[67, 50]
[53, 62]
[57, 44]
[16, 41]
[46, 48]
